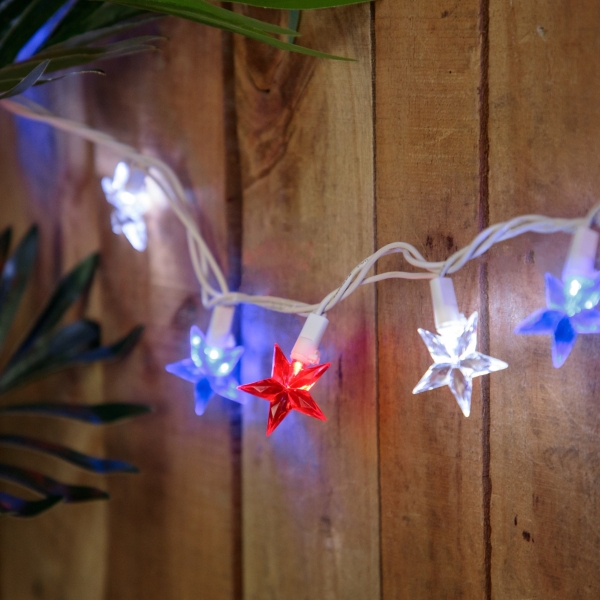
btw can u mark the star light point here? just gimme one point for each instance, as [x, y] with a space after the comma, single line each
[209, 369]
[128, 194]
[456, 361]
[288, 389]
[570, 311]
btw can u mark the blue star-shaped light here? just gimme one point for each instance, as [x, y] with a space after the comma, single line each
[570, 310]
[210, 369]
[126, 191]
[455, 361]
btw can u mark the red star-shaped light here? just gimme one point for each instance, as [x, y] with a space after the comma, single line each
[288, 389]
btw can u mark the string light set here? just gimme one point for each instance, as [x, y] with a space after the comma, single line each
[571, 303]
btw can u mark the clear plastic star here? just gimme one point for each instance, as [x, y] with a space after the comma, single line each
[288, 389]
[570, 310]
[209, 369]
[126, 191]
[456, 361]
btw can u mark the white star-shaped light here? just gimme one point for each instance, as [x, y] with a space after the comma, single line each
[455, 361]
[128, 193]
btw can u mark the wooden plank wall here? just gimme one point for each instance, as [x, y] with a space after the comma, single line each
[189, 466]
[428, 193]
[310, 491]
[456, 115]
[544, 143]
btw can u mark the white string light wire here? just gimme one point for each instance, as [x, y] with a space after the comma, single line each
[213, 284]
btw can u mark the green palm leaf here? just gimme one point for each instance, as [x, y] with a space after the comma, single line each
[46, 486]
[79, 38]
[48, 347]
[295, 4]
[204, 12]
[17, 507]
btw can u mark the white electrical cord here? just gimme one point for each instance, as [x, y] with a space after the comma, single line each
[213, 285]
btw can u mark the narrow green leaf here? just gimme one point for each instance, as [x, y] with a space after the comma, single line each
[96, 414]
[294, 23]
[227, 25]
[51, 352]
[299, 4]
[28, 81]
[8, 83]
[88, 17]
[119, 348]
[68, 58]
[75, 344]
[95, 35]
[25, 26]
[13, 280]
[68, 291]
[18, 507]
[62, 51]
[47, 486]
[90, 463]
[202, 9]
[63, 58]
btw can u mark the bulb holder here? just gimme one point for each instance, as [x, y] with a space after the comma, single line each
[581, 260]
[445, 306]
[219, 330]
[306, 348]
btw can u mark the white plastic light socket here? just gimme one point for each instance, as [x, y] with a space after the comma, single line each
[306, 348]
[581, 260]
[219, 330]
[445, 307]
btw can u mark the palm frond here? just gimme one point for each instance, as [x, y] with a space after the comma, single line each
[18, 507]
[79, 459]
[46, 486]
[49, 346]
[98, 414]
[204, 12]
[79, 38]
[293, 4]
[82, 33]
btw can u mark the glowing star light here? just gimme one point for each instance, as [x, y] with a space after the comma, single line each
[570, 303]
[128, 193]
[569, 311]
[455, 359]
[288, 389]
[209, 368]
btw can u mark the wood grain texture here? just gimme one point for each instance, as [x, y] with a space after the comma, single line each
[544, 145]
[310, 490]
[427, 174]
[300, 168]
[172, 531]
[60, 554]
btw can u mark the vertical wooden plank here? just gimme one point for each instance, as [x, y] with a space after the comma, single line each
[310, 517]
[173, 531]
[46, 557]
[427, 173]
[169, 532]
[544, 145]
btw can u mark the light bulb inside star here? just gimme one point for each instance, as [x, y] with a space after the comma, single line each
[570, 311]
[128, 193]
[456, 361]
[288, 389]
[209, 369]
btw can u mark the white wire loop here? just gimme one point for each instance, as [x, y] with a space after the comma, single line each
[213, 284]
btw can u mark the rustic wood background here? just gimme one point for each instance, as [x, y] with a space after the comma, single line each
[457, 114]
